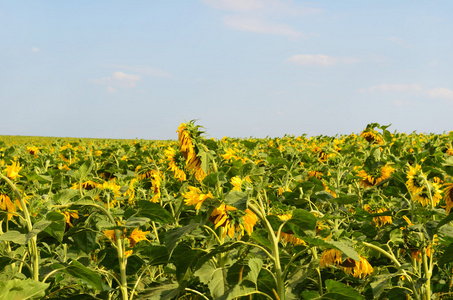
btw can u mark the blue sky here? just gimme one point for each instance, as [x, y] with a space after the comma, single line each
[137, 69]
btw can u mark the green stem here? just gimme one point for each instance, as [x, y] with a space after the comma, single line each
[428, 273]
[120, 250]
[315, 256]
[397, 264]
[260, 212]
[196, 292]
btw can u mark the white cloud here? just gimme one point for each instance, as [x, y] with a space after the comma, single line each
[396, 88]
[35, 49]
[256, 15]
[144, 70]
[415, 89]
[235, 5]
[320, 59]
[443, 93]
[118, 80]
[257, 25]
[275, 7]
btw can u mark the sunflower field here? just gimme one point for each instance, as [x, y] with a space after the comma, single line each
[359, 216]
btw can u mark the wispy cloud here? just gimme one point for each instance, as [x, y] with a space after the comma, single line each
[257, 25]
[35, 49]
[118, 79]
[415, 89]
[262, 16]
[320, 59]
[143, 70]
[280, 7]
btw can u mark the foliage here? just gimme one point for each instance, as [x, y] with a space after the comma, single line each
[346, 217]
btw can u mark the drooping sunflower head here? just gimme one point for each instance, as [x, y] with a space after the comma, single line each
[422, 190]
[415, 179]
[379, 221]
[373, 176]
[189, 138]
[233, 220]
[176, 163]
[333, 257]
[448, 198]
[372, 136]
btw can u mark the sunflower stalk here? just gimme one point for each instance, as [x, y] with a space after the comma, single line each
[397, 264]
[120, 247]
[32, 244]
[261, 213]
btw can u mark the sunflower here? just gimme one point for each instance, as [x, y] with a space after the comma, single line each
[112, 191]
[32, 150]
[230, 154]
[136, 236]
[195, 197]
[12, 171]
[86, 185]
[233, 220]
[333, 257]
[189, 151]
[174, 161]
[376, 176]
[7, 205]
[448, 197]
[156, 180]
[372, 136]
[69, 215]
[421, 189]
[236, 181]
[380, 220]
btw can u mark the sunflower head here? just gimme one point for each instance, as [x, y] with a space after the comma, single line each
[190, 142]
[371, 135]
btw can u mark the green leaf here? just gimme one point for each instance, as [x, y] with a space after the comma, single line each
[237, 199]
[347, 250]
[380, 283]
[134, 263]
[154, 212]
[340, 291]
[135, 222]
[83, 171]
[57, 226]
[214, 277]
[309, 295]
[302, 223]
[173, 236]
[161, 292]
[238, 291]
[396, 236]
[447, 256]
[87, 275]
[63, 197]
[185, 258]
[14, 236]
[260, 236]
[255, 265]
[40, 178]
[85, 240]
[447, 219]
[22, 289]
[37, 228]
[156, 255]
